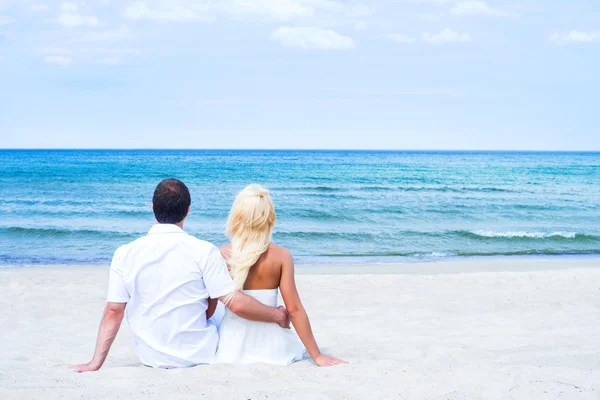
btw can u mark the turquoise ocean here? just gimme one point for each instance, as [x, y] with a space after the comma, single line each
[77, 207]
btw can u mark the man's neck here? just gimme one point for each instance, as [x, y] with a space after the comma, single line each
[179, 224]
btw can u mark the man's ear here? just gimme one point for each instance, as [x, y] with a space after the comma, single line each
[188, 211]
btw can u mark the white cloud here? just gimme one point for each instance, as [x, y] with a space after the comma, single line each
[189, 10]
[112, 52]
[446, 36]
[70, 17]
[39, 7]
[360, 26]
[476, 7]
[175, 11]
[428, 17]
[53, 51]
[5, 20]
[58, 60]
[112, 60]
[401, 38]
[309, 38]
[400, 91]
[109, 35]
[86, 55]
[430, 1]
[575, 37]
[75, 20]
[280, 10]
[359, 10]
[68, 6]
[266, 10]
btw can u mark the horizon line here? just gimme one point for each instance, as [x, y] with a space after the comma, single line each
[298, 150]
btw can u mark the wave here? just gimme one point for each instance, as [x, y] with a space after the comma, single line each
[375, 189]
[333, 189]
[93, 213]
[480, 234]
[417, 254]
[355, 236]
[434, 254]
[544, 252]
[17, 261]
[24, 260]
[325, 189]
[409, 244]
[61, 232]
[319, 215]
[325, 235]
[447, 233]
[449, 189]
[331, 196]
[536, 235]
[389, 188]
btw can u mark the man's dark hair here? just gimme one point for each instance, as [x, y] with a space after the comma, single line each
[171, 201]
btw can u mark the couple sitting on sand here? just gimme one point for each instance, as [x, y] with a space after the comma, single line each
[169, 283]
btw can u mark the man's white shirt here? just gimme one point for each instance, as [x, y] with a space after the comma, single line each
[166, 278]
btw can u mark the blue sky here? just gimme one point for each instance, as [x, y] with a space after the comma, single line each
[394, 74]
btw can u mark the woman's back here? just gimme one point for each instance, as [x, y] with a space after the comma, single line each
[266, 272]
[246, 342]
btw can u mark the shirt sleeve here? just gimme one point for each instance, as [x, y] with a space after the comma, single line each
[216, 276]
[117, 291]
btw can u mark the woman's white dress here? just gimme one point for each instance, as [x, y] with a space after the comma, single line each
[247, 342]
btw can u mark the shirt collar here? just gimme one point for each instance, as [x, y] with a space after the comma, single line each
[165, 228]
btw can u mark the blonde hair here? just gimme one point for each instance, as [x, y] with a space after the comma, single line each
[249, 228]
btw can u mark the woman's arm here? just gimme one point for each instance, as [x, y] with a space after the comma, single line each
[298, 315]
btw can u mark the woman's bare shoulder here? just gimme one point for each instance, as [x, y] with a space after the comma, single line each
[279, 252]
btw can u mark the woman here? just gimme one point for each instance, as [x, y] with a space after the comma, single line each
[261, 268]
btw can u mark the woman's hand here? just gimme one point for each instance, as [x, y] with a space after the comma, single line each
[323, 360]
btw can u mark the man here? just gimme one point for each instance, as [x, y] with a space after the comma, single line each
[166, 279]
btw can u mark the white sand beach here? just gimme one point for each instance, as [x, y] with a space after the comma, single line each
[499, 329]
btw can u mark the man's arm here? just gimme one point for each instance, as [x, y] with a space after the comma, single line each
[109, 326]
[212, 307]
[249, 308]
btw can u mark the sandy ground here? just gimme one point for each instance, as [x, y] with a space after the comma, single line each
[437, 331]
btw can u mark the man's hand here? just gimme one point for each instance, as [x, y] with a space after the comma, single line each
[91, 366]
[283, 318]
[109, 326]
